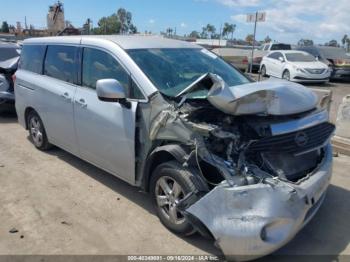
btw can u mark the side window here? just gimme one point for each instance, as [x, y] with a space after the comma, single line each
[32, 57]
[278, 54]
[100, 65]
[272, 55]
[60, 63]
[135, 92]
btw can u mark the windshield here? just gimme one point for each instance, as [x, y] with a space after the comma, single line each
[300, 57]
[172, 70]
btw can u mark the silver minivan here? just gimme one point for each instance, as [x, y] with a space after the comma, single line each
[244, 163]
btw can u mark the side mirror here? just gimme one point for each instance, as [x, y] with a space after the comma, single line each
[281, 59]
[110, 90]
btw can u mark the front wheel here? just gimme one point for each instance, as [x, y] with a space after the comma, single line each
[263, 70]
[170, 183]
[286, 75]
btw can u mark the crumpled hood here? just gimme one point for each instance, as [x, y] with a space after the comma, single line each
[272, 97]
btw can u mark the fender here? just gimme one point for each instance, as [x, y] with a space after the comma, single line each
[166, 153]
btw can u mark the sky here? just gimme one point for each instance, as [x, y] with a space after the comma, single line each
[286, 20]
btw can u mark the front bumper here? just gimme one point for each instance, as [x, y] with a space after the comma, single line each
[307, 77]
[341, 73]
[252, 221]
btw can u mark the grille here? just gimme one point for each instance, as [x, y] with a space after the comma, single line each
[295, 142]
[315, 71]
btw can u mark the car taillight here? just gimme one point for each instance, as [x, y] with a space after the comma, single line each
[245, 60]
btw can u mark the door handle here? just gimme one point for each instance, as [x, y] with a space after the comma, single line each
[81, 102]
[66, 96]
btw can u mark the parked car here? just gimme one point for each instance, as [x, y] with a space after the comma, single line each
[335, 57]
[296, 66]
[9, 56]
[245, 163]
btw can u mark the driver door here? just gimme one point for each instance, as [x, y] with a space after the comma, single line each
[105, 130]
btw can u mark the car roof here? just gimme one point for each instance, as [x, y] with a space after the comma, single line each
[124, 41]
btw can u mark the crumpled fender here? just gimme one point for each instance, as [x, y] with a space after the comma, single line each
[251, 221]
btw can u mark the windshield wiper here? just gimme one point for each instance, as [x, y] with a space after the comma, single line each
[192, 86]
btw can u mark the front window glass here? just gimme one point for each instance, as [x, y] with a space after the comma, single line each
[172, 70]
[300, 57]
[99, 65]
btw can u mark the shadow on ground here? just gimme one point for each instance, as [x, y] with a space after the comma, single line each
[130, 192]
[8, 117]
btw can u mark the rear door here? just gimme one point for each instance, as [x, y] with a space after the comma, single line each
[60, 70]
[105, 130]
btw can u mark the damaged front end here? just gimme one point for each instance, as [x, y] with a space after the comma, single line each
[263, 151]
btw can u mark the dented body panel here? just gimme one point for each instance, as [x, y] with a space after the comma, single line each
[252, 221]
[266, 98]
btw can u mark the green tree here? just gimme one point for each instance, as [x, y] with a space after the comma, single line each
[169, 31]
[249, 38]
[267, 39]
[228, 29]
[194, 34]
[343, 41]
[211, 30]
[117, 23]
[5, 27]
[305, 42]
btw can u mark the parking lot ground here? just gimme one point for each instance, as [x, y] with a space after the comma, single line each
[62, 205]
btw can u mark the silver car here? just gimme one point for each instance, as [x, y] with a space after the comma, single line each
[246, 164]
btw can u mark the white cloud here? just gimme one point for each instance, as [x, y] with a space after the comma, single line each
[183, 25]
[239, 3]
[294, 19]
[151, 21]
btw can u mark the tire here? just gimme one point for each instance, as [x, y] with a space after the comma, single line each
[164, 202]
[263, 71]
[286, 75]
[37, 132]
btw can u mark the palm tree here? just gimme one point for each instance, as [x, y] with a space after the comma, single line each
[345, 37]
[211, 30]
[228, 28]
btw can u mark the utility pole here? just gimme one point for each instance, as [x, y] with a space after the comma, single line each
[25, 22]
[257, 17]
[251, 63]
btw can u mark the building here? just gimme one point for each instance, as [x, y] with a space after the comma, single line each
[55, 19]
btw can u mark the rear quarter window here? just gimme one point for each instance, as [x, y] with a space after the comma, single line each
[32, 58]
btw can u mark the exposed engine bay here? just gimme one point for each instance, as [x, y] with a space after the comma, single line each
[248, 148]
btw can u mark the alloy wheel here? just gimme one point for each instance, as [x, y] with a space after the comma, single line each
[168, 194]
[36, 131]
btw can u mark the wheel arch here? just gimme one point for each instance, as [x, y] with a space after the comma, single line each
[27, 111]
[161, 155]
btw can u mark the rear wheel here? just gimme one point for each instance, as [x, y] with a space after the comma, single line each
[170, 183]
[37, 132]
[286, 75]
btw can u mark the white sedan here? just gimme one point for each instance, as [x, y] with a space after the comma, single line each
[296, 66]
